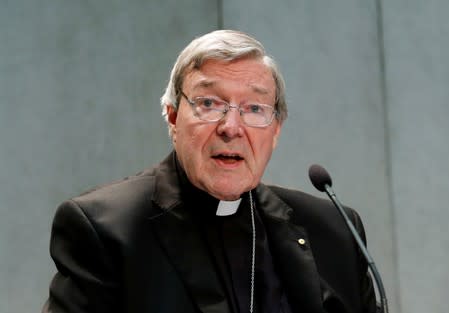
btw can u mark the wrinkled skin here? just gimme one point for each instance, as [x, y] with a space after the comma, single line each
[225, 158]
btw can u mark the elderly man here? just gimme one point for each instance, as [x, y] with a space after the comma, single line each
[199, 232]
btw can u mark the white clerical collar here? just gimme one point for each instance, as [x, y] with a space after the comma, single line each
[226, 208]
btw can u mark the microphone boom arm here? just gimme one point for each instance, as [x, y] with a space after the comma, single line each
[383, 298]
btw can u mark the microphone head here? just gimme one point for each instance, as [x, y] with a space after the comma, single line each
[319, 177]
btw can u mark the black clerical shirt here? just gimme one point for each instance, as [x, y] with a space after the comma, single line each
[229, 242]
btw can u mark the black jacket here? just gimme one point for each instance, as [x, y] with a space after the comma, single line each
[131, 246]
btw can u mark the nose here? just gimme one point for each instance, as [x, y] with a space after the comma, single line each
[231, 125]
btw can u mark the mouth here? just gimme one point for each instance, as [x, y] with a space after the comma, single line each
[228, 158]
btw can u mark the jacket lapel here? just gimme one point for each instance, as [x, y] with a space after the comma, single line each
[181, 240]
[293, 258]
[179, 236]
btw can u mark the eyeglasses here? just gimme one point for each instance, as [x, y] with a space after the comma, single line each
[213, 109]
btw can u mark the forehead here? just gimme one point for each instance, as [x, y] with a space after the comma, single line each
[248, 74]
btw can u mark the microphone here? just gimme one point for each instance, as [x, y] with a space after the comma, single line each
[322, 181]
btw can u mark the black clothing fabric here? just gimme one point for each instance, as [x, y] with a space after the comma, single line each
[229, 239]
[136, 246]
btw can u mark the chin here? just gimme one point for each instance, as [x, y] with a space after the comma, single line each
[227, 197]
[228, 194]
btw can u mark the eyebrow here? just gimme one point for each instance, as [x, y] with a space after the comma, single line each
[204, 83]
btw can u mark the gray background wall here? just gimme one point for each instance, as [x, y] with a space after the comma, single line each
[367, 88]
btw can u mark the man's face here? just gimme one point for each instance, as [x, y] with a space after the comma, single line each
[225, 158]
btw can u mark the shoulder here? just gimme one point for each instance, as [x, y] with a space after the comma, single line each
[313, 211]
[294, 197]
[114, 209]
[302, 203]
[130, 192]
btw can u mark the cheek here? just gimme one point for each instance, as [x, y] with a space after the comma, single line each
[190, 145]
[195, 138]
[262, 152]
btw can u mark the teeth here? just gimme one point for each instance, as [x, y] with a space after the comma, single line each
[229, 156]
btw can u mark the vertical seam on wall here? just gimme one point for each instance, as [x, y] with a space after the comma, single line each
[219, 14]
[387, 143]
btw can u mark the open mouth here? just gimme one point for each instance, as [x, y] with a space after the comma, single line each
[228, 158]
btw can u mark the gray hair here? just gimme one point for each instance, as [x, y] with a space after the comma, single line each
[226, 45]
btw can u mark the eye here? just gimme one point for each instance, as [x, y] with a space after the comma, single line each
[254, 108]
[206, 102]
[210, 103]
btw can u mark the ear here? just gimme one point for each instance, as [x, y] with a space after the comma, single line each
[277, 133]
[172, 115]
